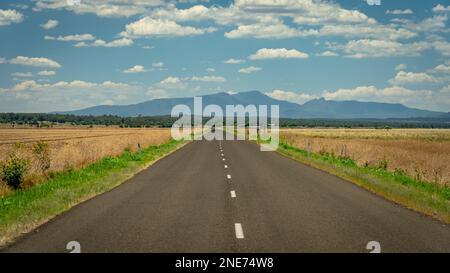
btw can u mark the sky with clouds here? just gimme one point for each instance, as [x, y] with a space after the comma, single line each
[71, 54]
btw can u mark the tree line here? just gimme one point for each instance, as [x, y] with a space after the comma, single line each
[40, 120]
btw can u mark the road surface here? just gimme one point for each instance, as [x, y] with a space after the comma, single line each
[229, 197]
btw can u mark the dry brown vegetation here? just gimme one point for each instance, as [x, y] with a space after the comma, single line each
[423, 154]
[73, 148]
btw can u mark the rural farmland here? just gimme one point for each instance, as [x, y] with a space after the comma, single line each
[73, 148]
[422, 153]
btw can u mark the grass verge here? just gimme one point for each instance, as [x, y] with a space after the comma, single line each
[24, 210]
[428, 198]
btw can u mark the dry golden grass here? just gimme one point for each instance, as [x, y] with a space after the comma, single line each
[422, 153]
[74, 148]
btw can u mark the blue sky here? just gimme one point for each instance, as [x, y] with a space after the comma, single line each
[61, 55]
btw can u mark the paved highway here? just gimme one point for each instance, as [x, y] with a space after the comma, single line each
[227, 196]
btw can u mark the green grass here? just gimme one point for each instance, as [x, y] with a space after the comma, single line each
[24, 210]
[428, 198]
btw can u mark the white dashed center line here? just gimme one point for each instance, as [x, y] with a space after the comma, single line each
[226, 166]
[239, 231]
[223, 159]
[233, 194]
[228, 176]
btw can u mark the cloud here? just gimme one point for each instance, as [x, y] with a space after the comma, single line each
[399, 11]
[22, 74]
[328, 54]
[72, 38]
[81, 44]
[277, 53]
[103, 8]
[37, 62]
[234, 61]
[210, 69]
[10, 16]
[149, 27]
[442, 47]
[264, 31]
[403, 78]
[423, 99]
[441, 8]
[32, 85]
[115, 43]
[135, 69]
[208, 79]
[50, 24]
[249, 70]
[401, 67]
[46, 73]
[367, 48]
[436, 23]
[299, 98]
[19, 6]
[442, 68]
[367, 93]
[156, 93]
[158, 64]
[2, 60]
[122, 42]
[172, 83]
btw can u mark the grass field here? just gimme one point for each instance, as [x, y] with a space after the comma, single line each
[423, 154]
[23, 210]
[73, 148]
[407, 166]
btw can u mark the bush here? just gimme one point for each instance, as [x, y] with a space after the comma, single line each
[41, 151]
[13, 171]
[383, 164]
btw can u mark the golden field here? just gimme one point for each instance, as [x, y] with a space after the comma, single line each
[422, 153]
[72, 148]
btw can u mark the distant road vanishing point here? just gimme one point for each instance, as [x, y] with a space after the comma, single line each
[227, 196]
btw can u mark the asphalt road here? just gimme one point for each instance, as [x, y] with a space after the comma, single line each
[259, 202]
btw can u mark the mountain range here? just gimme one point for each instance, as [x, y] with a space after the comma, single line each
[316, 108]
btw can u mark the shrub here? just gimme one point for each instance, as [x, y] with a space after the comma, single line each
[13, 171]
[383, 164]
[41, 151]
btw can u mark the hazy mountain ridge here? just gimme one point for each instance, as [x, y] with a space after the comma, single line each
[317, 108]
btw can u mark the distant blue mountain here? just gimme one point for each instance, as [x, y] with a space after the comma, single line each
[318, 108]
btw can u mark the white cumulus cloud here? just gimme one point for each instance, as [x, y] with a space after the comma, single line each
[10, 16]
[50, 24]
[250, 69]
[290, 96]
[277, 53]
[33, 61]
[208, 79]
[400, 11]
[150, 27]
[234, 61]
[46, 73]
[135, 69]
[403, 78]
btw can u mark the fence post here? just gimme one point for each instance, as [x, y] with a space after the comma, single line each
[139, 148]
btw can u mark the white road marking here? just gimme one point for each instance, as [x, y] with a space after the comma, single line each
[233, 194]
[239, 231]
[223, 159]
[228, 176]
[226, 166]
[222, 154]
